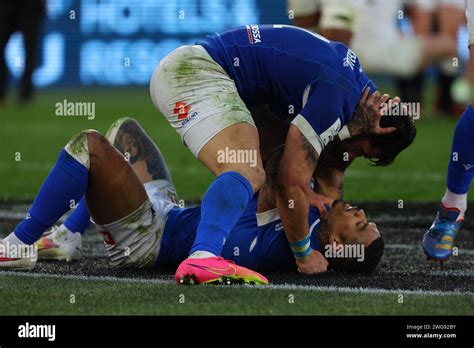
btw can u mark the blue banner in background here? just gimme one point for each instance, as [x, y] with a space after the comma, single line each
[120, 42]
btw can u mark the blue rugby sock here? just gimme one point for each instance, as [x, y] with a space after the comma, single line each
[66, 182]
[222, 205]
[80, 219]
[461, 163]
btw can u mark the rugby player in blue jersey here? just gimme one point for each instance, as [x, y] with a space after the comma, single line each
[313, 86]
[160, 234]
[316, 86]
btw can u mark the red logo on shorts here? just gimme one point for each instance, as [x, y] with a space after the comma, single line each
[108, 239]
[181, 109]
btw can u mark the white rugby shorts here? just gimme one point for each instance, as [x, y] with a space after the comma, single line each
[196, 96]
[135, 240]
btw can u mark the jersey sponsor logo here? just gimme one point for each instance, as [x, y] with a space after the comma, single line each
[253, 32]
[350, 59]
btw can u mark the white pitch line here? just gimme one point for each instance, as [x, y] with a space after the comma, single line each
[270, 286]
[26, 274]
[366, 290]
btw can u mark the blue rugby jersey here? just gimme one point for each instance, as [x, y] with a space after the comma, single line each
[304, 78]
[257, 242]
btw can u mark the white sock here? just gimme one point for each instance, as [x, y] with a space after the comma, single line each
[453, 200]
[64, 235]
[12, 239]
[200, 254]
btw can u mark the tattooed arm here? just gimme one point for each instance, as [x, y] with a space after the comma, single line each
[293, 191]
[294, 176]
[366, 117]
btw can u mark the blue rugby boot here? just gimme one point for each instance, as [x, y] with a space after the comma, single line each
[439, 239]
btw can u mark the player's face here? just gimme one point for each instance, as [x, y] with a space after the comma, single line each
[359, 147]
[346, 222]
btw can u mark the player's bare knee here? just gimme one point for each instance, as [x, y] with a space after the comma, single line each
[96, 141]
[88, 144]
[259, 177]
[79, 146]
[105, 155]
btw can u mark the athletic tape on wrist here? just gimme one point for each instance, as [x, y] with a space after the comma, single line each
[301, 248]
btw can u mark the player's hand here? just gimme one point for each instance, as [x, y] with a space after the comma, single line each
[314, 263]
[320, 201]
[366, 117]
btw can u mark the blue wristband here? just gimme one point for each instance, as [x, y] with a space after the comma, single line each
[301, 248]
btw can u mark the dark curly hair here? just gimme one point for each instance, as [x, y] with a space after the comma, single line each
[390, 145]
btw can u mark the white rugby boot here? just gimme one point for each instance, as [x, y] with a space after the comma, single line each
[60, 244]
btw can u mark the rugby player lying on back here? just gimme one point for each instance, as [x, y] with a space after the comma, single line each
[133, 205]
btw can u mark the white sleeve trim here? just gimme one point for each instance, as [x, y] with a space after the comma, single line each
[313, 225]
[344, 133]
[268, 216]
[305, 128]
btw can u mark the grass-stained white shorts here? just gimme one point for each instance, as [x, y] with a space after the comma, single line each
[196, 96]
[135, 240]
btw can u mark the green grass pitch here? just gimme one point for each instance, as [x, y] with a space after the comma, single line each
[40, 296]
